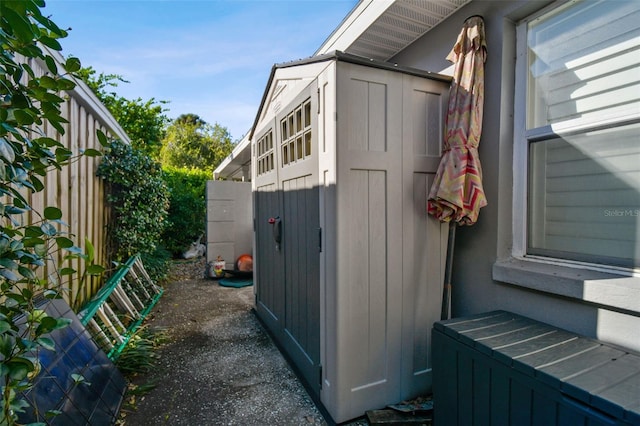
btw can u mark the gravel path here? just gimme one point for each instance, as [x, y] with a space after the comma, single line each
[219, 366]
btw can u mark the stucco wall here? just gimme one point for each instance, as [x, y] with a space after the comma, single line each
[477, 248]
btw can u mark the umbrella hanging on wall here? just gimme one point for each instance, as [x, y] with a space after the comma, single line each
[456, 194]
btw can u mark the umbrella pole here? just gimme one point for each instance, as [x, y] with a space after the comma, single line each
[448, 267]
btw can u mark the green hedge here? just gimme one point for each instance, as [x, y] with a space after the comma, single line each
[187, 209]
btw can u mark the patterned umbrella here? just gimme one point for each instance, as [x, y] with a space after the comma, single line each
[456, 194]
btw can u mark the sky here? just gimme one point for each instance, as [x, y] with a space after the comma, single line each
[207, 57]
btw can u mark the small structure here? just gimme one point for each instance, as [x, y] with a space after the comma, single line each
[348, 267]
[229, 221]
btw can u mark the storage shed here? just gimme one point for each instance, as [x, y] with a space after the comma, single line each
[348, 267]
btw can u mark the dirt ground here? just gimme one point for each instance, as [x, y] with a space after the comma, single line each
[219, 366]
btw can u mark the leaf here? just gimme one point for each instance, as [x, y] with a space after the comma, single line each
[8, 263]
[6, 150]
[48, 142]
[63, 154]
[47, 343]
[79, 378]
[90, 250]
[102, 138]
[4, 326]
[32, 241]
[41, 250]
[72, 64]
[6, 346]
[23, 117]
[47, 324]
[62, 323]
[48, 229]
[37, 183]
[50, 414]
[18, 370]
[50, 42]
[74, 250]
[52, 213]
[20, 100]
[18, 404]
[67, 271]
[9, 275]
[58, 127]
[28, 69]
[52, 294]
[66, 84]
[33, 231]
[26, 272]
[48, 82]
[92, 153]
[51, 64]
[64, 242]
[95, 269]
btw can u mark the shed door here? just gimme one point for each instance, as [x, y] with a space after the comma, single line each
[289, 294]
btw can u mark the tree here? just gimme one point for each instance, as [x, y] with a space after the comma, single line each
[193, 143]
[143, 121]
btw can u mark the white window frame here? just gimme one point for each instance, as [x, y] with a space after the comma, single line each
[607, 286]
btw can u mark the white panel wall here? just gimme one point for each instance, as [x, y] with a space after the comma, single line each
[229, 220]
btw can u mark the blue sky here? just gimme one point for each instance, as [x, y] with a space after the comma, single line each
[207, 57]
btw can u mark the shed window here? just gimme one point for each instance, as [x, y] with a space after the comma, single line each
[265, 153]
[582, 128]
[296, 134]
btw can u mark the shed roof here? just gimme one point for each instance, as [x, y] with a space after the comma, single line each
[327, 57]
[374, 31]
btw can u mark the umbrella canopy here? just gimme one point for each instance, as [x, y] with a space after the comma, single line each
[457, 194]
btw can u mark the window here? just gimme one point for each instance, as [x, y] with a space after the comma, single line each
[580, 124]
[265, 153]
[296, 134]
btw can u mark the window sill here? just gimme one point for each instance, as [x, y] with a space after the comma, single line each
[617, 291]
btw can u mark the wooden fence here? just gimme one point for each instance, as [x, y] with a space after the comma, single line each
[76, 189]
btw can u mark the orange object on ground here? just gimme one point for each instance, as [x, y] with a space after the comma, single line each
[244, 263]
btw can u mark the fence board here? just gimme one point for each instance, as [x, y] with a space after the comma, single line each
[75, 189]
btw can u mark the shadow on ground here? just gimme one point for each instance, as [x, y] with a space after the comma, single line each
[219, 366]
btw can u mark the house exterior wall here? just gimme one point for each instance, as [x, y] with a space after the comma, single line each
[596, 304]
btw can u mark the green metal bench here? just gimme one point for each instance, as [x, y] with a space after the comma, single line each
[114, 314]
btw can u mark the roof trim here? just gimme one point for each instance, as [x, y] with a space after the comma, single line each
[361, 17]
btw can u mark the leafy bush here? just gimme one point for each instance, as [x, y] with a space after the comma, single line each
[138, 197]
[26, 156]
[187, 210]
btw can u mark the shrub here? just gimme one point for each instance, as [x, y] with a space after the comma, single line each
[138, 197]
[187, 210]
